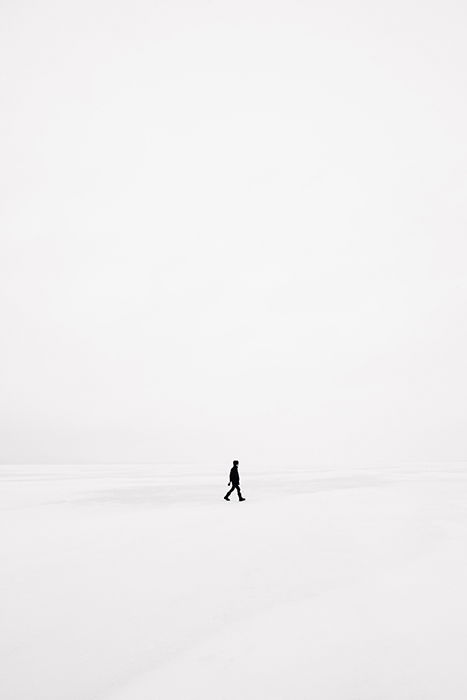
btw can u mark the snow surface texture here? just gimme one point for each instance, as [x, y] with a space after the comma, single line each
[138, 583]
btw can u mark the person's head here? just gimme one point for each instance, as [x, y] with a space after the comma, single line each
[235, 462]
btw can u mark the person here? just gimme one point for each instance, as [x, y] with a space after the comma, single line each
[235, 481]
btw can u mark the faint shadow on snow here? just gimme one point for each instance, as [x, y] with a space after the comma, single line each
[205, 491]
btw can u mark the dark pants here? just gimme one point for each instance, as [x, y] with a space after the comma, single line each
[234, 486]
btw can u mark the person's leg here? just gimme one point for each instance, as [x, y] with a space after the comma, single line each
[228, 493]
[240, 497]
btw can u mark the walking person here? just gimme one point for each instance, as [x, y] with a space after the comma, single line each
[235, 482]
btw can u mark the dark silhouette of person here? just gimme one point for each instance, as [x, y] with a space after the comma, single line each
[235, 481]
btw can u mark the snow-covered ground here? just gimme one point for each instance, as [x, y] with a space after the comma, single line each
[138, 583]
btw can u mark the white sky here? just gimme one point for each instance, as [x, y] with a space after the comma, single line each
[233, 230]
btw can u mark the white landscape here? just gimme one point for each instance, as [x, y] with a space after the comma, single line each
[233, 229]
[140, 582]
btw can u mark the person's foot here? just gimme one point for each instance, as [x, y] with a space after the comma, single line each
[226, 499]
[242, 499]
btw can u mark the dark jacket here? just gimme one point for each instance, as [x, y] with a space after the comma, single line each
[234, 477]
